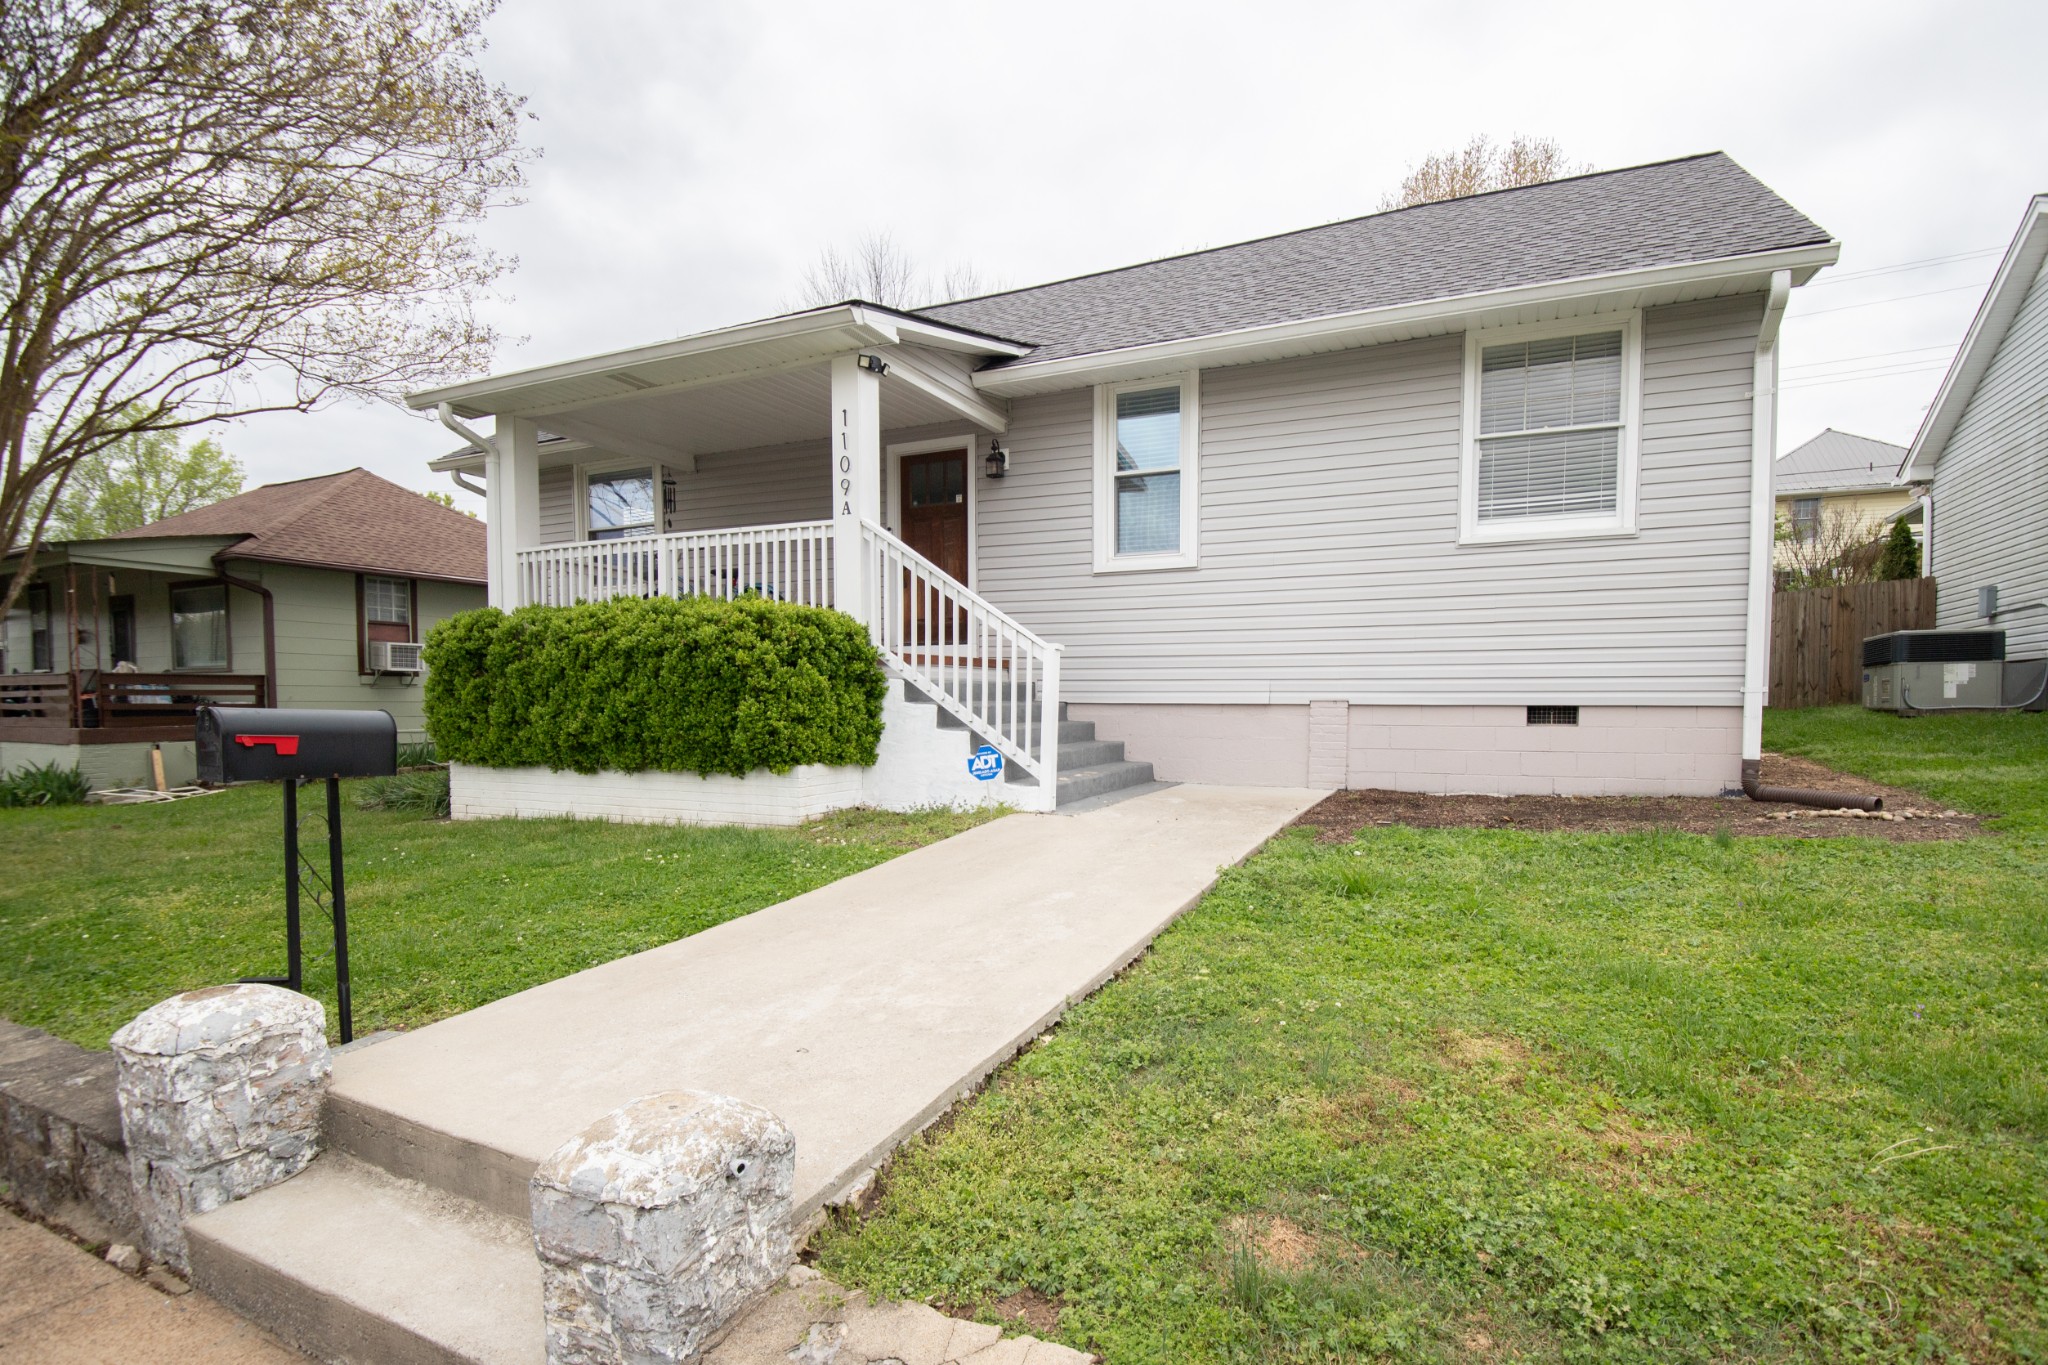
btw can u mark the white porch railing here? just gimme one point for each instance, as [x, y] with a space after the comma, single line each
[790, 563]
[978, 662]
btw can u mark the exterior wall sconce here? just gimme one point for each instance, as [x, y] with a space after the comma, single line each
[997, 463]
[873, 364]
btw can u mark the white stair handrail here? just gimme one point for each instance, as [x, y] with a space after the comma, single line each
[979, 663]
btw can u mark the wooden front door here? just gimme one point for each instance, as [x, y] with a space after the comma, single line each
[933, 489]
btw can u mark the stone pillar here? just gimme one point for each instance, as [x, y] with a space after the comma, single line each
[658, 1223]
[220, 1094]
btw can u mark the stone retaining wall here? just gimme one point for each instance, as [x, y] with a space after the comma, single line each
[61, 1152]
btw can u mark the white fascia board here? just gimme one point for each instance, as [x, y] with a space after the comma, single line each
[858, 327]
[940, 337]
[833, 330]
[1980, 344]
[1248, 344]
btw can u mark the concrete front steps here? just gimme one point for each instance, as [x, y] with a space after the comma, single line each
[351, 1262]
[1089, 767]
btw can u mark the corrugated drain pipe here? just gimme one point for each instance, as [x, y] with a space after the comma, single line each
[1755, 790]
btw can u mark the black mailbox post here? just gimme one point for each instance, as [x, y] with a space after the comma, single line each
[269, 744]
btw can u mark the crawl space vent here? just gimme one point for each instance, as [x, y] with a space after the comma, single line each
[1553, 715]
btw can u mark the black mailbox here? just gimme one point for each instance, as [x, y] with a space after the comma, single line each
[270, 744]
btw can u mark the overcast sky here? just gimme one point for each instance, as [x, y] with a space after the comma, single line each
[698, 157]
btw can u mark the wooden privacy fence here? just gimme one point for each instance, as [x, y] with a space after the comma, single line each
[1817, 636]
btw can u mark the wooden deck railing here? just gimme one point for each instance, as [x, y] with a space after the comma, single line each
[33, 704]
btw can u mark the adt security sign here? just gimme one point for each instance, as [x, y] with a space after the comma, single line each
[986, 765]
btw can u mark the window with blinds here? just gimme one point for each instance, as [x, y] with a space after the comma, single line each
[1146, 478]
[1148, 472]
[1550, 427]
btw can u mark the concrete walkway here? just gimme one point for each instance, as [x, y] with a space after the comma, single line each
[58, 1302]
[856, 1012]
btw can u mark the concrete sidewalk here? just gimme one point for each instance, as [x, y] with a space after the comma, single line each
[59, 1302]
[856, 1012]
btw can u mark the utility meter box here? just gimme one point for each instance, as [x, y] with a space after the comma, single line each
[1934, 670]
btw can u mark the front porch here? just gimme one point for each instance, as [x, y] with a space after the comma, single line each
[831, 459]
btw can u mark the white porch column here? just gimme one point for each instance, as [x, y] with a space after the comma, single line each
[513, 494]
[856, 479]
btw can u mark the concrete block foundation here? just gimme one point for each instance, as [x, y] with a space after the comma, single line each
[1452, 748]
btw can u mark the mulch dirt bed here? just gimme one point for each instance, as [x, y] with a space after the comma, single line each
[1908, 817]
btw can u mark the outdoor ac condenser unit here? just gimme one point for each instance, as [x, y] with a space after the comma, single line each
[1934, 670]
[391, 656]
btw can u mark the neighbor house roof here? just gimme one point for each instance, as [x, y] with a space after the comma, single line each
[1836, 462]
[1697, 208]
[2026, 261]
[351, 520]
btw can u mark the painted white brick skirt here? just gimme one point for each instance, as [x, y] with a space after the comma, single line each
[1491, 750]
[759, 798]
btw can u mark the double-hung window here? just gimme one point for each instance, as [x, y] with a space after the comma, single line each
[1806, 520]
[1550, 431]
[1147, 474]
[199, 626]
[387, 608]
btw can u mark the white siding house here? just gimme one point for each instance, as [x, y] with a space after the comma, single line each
[1984, 444]
[1473, 496]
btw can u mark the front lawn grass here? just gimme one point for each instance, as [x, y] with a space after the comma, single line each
[1488, 1095]
[105, 910]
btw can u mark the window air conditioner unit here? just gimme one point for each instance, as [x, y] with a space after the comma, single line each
[1933, 670]
[392, 656]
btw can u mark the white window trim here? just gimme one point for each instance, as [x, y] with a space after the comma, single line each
[585, 472]
[1622, 520]
[1107, 560]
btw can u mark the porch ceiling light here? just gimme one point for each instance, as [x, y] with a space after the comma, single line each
[997, 463]
[874, 364]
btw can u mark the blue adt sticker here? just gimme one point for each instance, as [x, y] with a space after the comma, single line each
[986, 763]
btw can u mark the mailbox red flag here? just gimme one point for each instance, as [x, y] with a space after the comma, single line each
[284, 744]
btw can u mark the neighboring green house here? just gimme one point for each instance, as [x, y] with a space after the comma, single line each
[314, 593]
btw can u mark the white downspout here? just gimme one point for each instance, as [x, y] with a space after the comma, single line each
[498, 564]
[1763, 448]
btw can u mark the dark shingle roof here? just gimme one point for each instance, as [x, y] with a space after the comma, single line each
[1695, 209]
[1835, 460]
[351, 520]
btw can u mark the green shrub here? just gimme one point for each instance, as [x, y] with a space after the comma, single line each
[422, 793]
[44, 784]
[416, 754]
[1901, 557]
[634, 685]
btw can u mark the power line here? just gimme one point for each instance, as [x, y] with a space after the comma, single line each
[1860, 378]
[1874, 355]
[1895, 298]
[1923, 263]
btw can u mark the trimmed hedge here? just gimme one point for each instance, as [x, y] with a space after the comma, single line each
[634, 684]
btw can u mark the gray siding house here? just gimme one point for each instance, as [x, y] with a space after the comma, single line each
[1473, 496]
[1984, 446]
[292, 594]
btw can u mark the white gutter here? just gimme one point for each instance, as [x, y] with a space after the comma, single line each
[1231, 347]
[1763, 444]
[499, 565]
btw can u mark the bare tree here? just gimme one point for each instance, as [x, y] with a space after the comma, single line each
[878, 270]
[1839, 549]
[215, 207]
[1480, 166]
